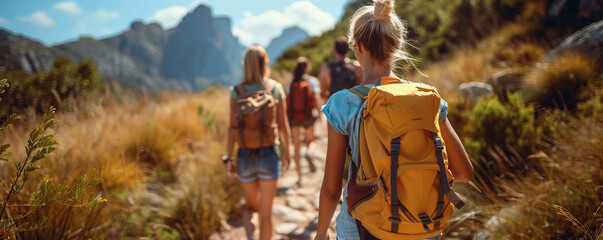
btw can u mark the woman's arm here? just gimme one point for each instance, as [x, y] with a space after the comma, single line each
[458, 161]
[330, 192]
[283, 126]
[230, 169]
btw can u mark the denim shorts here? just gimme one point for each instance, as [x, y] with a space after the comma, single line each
[263, 163]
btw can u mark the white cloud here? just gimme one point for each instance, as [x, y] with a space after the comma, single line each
[170, 16]
[309, 17]
[3, 21]
[262, 28]
[39, 18]
[68, 7]
[104, 16]
[196, 3]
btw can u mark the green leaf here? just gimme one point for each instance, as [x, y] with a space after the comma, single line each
[32, 168]
[9, 121]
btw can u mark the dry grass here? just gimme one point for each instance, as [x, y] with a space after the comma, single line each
[139, 147]
[564, 82]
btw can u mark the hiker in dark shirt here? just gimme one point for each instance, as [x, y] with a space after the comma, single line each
[342, 73]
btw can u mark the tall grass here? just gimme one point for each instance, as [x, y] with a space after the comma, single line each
[564, 200]
[159, 159]
[564, 82]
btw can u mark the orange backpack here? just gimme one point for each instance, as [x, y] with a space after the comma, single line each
[300, 101]
[254, 117]
[400, 188]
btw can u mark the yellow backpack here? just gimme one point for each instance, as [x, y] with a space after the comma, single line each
[396, 191]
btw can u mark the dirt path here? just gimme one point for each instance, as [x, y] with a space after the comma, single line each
[295, 209]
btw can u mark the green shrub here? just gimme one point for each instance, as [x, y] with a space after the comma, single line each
[62, 86]
[498, 138]
[508, 126]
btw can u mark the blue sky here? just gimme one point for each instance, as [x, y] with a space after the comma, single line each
[254, 21]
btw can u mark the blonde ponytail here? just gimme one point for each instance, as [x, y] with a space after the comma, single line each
[380, 31]
[383, 9]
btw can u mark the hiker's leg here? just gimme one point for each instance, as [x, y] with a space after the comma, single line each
[267, 193]
[251, 192]
[296, 151]
[309, 132]
[309, 135]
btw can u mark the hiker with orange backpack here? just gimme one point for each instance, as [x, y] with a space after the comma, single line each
[302, 111]
[257, 109]
[405, 153]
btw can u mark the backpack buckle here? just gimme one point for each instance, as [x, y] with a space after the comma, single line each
[438, 141]
[394, 220]
[395, 149]
[425, 219]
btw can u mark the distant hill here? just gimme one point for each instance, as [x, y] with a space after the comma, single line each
[290, 37]
[200, 51]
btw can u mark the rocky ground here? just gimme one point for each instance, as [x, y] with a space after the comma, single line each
[295, 208]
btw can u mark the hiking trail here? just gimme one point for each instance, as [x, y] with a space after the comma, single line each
[295, 209]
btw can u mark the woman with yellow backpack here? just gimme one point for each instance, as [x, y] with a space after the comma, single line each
[405, 153]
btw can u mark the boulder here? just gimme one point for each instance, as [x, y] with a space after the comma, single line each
[587, 42]
[505, 81]
[473, 91]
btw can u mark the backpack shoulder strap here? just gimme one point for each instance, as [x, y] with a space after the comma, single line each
[239, 89]
[269, 85]
[360, 90]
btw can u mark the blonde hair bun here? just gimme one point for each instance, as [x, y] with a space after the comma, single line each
[383, 9]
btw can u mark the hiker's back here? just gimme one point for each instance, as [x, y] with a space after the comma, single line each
[395, 190]
[254, 118]
[343, 75]
[300, 101]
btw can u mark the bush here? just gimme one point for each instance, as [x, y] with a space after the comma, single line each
[564, 82]
[46, 210]
[62, 86]
[202, 200]
[564, 200]
[509, 126]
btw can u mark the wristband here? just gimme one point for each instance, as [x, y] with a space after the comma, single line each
[226, 159]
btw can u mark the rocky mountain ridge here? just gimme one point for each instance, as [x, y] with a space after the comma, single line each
[200, 51]
[290, 37]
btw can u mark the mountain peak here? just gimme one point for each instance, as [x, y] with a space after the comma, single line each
[290, 36]
[294, 30]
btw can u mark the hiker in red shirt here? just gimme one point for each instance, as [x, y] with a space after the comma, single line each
[302, 111]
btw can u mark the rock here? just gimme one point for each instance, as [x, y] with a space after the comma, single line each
[587, 42]
[200, 51]
[556, 7]
[505, 81]
[287, 214]
[474, 90]
[197, 51]
[316, 199]
[288, 229]
[299, 203]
